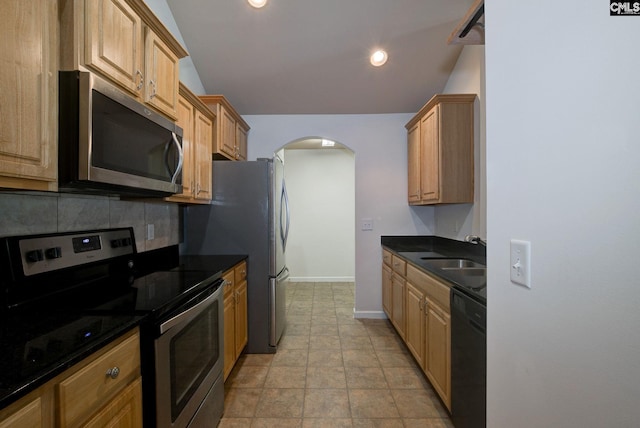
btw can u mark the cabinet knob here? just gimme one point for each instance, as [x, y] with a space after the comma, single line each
[113, 372]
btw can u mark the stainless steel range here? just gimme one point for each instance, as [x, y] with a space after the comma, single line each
[62, 292]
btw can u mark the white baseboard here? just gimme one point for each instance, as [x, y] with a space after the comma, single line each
[378, 315]
[321, 279]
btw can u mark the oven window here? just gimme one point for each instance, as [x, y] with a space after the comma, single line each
[194, 351]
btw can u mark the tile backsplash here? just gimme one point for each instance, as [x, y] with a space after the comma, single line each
[23, 213]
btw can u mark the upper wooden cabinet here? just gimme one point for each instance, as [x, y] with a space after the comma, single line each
[196, 121]
[440, 151]
[125, 42]
[29, 95]
[230, 140]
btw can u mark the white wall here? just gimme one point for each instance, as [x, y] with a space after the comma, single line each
[563, 151]
[455, 221]
[379, 143]
[321, 188]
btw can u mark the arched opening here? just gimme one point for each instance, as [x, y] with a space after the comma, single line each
[320, 177]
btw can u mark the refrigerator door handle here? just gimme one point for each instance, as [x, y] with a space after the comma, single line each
[284, 200]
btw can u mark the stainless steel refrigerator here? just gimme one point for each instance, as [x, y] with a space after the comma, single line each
[249, 214]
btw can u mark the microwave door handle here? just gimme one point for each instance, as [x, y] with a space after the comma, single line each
[180, 157]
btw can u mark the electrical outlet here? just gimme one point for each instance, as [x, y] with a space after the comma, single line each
[521, 262]
[367, 224]
[150, 232]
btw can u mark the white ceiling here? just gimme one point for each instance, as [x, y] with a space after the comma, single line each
[312, 57]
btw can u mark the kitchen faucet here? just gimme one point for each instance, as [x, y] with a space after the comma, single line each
[475, 240]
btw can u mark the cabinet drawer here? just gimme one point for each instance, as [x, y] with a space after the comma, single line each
[435, 289]
[399, 265]
[386, 257]
[229, 282]
[82, 393]
[240, 272]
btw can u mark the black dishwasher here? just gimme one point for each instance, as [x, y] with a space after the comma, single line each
[468, 360]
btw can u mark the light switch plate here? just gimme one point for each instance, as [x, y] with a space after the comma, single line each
[367, 224]
[521, 262]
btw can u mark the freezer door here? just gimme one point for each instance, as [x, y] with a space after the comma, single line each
[278, 289]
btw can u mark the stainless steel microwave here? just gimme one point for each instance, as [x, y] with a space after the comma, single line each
[108, 143]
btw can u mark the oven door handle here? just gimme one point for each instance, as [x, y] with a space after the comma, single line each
[190, 313]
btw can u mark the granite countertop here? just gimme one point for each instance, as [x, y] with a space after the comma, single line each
[417, 250]
[36, 348]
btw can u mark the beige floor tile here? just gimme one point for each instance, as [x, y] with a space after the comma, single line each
[324, 342]
[286, 377]
[387, 343]
[323, 320]
[351, 330]
[326, 377]
[372, 403]
[323, 329]
[365, 378]
[280, 403]
[405, 378]
[298, 329]
[235, 422]
[395, 358]
[414, 403]
[277, 423]
[290, 358]
[378, 423]
[293, 342]
[428, 423]
[356, 342]
[247, 377]
[326, 403]
[359, 358]
[241, 402]
[325, 358]
[260, 360]
[326, 423]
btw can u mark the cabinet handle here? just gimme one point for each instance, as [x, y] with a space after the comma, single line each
[197, 188]
[140, 81]
[113, 372]
[153, 89]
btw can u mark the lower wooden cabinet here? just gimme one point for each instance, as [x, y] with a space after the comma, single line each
[236, 332]
[418, 306]
[84, 395]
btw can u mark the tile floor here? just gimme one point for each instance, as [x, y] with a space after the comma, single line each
[331, 370]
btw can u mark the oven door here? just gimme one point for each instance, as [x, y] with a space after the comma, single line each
[189, 360]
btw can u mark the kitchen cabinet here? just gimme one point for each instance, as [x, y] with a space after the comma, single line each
[231, 136]
[440, 151]
[29, 95]
[125, 42]
[419, 309]
[90, 393]
[196, 121]
[235, 315]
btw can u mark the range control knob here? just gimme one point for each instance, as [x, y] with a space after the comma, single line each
[53, 253]
[34, 256]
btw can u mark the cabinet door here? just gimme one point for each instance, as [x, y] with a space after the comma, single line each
[413, 157]
[386, 290]
[398, 302]
[414, 334]
[124, 411]
[227, 133]
[113, 42]
[161, 70]
[241, 143]
[203, 165]
[241, 318]
[189, 147]
[28, 95]
[438, 352]
[430, 156]
[30, 415]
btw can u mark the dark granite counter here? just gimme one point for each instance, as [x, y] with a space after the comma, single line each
[419, 250]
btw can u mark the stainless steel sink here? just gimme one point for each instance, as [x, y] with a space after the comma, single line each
[468, 271]
[453, 263]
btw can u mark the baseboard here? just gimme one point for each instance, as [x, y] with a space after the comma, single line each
[321, 279]
[378, 315]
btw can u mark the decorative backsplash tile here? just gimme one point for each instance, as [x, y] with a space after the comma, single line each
[24, 213]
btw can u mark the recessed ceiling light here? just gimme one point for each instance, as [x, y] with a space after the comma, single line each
[257, 3]
[379, 57]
